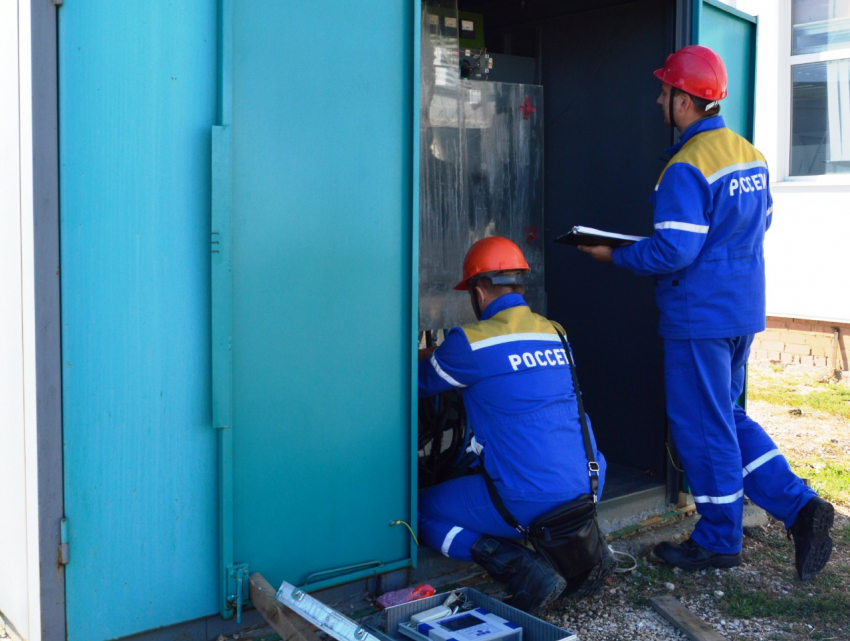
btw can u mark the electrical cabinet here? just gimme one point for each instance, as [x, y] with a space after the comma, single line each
[249, 249]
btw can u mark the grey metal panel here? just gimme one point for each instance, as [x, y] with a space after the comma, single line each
[517, 69]
[47, 317]
[480, 173]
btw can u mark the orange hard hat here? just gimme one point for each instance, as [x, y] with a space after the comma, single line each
[696, 70]
[491, 254]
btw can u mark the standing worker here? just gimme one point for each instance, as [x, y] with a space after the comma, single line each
[712, 207]
[519, 396]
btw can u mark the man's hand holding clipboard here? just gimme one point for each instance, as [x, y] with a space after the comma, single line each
[596, 242]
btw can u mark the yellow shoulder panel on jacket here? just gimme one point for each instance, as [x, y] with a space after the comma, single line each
[514, 320]
[712, 151]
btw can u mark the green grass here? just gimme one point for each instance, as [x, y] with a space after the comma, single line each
[829, 479]
[827, 471]
[826, 608]
[844, 534]
[824, 397]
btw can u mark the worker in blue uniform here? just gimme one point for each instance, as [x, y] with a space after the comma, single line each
[514, 376]
[712, 206]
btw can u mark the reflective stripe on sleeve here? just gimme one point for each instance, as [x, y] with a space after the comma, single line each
[742, 166]
[720, 500]
[670, 224]
[442, 374]
[510, 338]
[447, 542]
[761, 460]
[769, 211]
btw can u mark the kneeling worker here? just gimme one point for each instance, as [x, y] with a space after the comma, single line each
[517, 388]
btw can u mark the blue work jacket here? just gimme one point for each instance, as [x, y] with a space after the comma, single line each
[513, 372]
[712, 208]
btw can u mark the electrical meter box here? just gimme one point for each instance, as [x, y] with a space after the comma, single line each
[471, 34]
[466, 27]
[465, 626]
[486, 618]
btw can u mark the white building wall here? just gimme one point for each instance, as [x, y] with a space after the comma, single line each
[805, 249]
[19, 543]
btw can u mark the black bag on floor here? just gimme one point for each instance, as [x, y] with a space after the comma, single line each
[569, 537]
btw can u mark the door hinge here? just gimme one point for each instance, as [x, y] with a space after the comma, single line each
[64, 553]
[237, 589]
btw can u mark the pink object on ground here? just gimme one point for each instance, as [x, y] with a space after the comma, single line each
[405, 595]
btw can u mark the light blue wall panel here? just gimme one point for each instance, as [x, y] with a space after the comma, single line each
[321, 259]
[137, 100]
[732, 34]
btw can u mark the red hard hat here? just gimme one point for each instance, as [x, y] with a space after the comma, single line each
[491, 254]
[696, 70]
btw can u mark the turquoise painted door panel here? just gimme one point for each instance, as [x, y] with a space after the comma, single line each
[732, 34]
[137, 95]
[321, 164]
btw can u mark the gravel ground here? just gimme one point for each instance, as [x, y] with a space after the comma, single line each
[760, 600]
[622, 612]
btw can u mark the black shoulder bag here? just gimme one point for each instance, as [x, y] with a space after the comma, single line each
[568, 537]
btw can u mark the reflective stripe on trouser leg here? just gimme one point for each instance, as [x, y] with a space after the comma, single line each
[768, 479]
[453, 514]
[698, 382]
[453, 541]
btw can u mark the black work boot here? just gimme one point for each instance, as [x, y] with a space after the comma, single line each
[533, 583]
[690, 556]
[812, 544]
[590, 582]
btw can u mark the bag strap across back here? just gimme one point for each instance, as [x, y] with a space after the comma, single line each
[592, 465]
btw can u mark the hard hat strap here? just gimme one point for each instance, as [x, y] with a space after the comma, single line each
[475, 306]
[670, 106]
[500, 278]
[508, 279]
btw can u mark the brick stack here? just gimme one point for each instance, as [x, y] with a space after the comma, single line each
[802, 342]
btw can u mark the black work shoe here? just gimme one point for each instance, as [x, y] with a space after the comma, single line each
[812, 544]
[593, 580]
[690, 556]
[533, 583]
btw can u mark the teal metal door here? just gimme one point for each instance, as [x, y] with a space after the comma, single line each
[137, 98]
[313, 324]
[733, 35]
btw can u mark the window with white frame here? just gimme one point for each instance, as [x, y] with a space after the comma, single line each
[820, 87]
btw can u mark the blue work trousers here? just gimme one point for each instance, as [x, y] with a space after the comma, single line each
[453, 514]
[724, 452]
